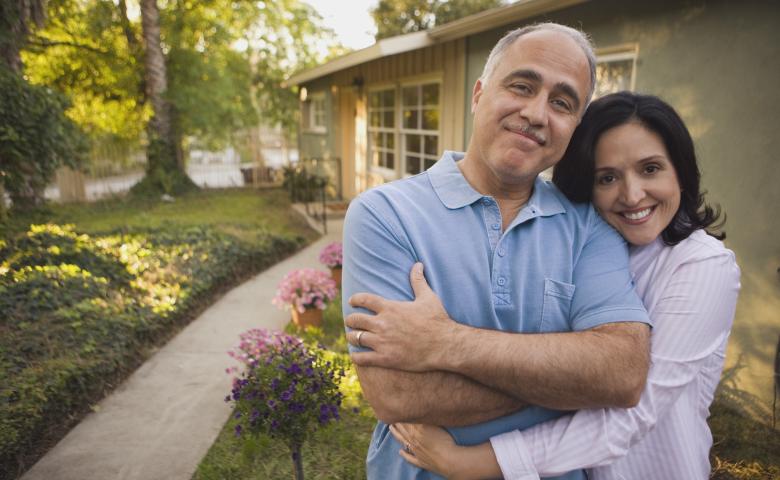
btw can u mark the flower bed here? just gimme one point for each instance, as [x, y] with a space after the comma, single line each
[79, 312]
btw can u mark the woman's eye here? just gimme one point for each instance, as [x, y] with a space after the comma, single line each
[606, 179]
[652, 168]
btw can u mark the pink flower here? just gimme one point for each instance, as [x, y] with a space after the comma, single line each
[305, 288]
[332, 256]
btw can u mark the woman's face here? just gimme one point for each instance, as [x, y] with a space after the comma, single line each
[636, 188]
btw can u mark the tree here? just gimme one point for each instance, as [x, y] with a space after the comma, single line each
[396, 17]
[224, 62]
[35, 135]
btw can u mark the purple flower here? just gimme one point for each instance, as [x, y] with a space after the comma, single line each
[238, 430]
[286, 396]
[274, 425]
[271, 404]
[294, 369]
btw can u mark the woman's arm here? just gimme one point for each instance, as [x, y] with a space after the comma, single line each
[692, 317]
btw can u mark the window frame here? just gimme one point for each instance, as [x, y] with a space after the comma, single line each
[418, 82]
[386, 173]
[620, 53]
[311, 125]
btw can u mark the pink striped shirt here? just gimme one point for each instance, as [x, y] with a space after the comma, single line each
[690, 291]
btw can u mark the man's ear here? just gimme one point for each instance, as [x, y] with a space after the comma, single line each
[475, 94]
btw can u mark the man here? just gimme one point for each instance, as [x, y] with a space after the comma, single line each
[505, 251]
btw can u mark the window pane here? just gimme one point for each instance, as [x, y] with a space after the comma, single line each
[389, 121]
[430, 94]
[375, 119]
[412, 165]
[413, 143]
[390, 160]
[374, 139]
[613, 77]
[411, 119]
[388, 99]
[375, 157]
[430, 119]
[431, 145]
[374, 99]
[410, 96]
[390, 140]
[429, 163]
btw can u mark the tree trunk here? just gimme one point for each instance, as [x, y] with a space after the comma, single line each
[16, 17]
[164, 172]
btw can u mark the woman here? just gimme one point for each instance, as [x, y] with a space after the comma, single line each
[634, 159]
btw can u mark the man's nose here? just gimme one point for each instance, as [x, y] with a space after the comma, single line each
[535, 110]
[632, 192]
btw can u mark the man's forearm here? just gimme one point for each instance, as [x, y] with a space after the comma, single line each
[435, 398]
[601, 367]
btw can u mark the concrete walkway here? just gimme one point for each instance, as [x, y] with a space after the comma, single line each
[162, 420]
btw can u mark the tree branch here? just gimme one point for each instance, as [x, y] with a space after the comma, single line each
[37, 41]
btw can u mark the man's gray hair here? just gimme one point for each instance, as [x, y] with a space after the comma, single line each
[507, 40]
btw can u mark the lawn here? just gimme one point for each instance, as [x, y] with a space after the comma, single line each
[88, 291]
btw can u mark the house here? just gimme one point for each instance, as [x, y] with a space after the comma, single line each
[389, 110]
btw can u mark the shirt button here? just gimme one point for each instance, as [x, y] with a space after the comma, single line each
[501, 252]
[496, 226]
[501, 281]
[486, 201]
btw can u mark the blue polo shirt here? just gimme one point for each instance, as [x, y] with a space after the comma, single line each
[557, 267]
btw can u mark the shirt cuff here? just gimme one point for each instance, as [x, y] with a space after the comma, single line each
[513, 456]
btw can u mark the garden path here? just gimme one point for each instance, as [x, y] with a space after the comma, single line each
[162, 420]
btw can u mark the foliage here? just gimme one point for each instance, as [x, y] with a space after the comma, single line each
[35, 138]
[225, 63]
[305, 288]
[81, 310]
[396, 17]
[286, 390]
[332, 256]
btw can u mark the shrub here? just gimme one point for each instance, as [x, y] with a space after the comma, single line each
[286, 390]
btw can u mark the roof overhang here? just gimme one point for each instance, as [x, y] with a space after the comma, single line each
[479, 22]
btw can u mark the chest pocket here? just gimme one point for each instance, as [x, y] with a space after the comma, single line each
[557, 306]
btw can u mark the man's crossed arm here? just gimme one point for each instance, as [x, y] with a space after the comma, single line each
[425, 367]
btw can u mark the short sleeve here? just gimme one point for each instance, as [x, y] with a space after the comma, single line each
[377, 256]
[604, 289]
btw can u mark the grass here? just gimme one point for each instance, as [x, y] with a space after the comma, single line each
[335, 452]
[244, 213]
[83, 305]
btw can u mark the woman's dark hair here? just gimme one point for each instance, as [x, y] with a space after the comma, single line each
[574, 175]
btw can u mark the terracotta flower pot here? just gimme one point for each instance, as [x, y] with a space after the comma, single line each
[311, 317]
[335, 273]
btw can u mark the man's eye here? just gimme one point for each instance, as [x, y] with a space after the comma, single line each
[562, 104]
[521, 87]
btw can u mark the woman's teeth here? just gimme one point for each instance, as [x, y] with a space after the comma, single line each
[637, 215]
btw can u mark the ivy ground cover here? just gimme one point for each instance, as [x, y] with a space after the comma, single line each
[87, 291]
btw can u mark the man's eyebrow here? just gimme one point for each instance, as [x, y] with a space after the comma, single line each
[535, 76]
[527, 74]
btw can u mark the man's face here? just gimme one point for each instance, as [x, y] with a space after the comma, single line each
[526, 112]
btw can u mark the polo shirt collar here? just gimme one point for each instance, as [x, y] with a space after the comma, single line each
[455, 192]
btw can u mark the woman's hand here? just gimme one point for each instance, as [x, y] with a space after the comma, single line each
[428, 447]
[407, 336]
[432, 448]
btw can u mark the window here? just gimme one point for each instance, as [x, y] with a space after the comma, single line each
[615, 70]
[381, 128]
[315, 114]
[419, 127]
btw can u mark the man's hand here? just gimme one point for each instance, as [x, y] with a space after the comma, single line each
[407, 336]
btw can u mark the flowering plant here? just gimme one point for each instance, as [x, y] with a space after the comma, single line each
[331, 256]
[285, 390]
[305, 288]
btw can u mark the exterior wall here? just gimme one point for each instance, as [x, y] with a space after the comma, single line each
[347, 93]
[717, 63]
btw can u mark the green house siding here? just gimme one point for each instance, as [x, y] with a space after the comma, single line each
[718, 63]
